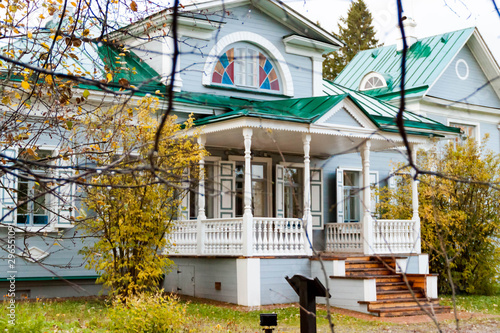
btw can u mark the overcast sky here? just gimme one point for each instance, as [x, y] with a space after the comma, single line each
[432, 17]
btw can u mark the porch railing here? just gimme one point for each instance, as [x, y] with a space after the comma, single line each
[394, 236]
[183, 237]
[389, 237]
[344, 237]
[221, 237]
[278, 236]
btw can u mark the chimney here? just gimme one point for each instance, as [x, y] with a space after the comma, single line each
[409, 25]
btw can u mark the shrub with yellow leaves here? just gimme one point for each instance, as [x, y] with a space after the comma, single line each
[459, 205]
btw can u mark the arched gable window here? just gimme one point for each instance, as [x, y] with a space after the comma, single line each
[246, 66]
[371, 81]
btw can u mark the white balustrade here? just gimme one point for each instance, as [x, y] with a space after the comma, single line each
[394, 236]
[183, 238]
[286, 236]
[223, 236]
[278, 236]
[344, 237]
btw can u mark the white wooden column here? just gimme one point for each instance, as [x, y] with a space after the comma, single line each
[414, 198]
[307, 219]
[201, 184]
[200, 234]
[247, 195]
[366, 200]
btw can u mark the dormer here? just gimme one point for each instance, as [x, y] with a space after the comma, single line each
[373, 80]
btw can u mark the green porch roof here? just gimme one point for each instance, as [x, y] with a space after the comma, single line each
[309, 110]
[426, 60]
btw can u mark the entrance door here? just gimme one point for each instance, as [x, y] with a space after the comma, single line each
[185, 280]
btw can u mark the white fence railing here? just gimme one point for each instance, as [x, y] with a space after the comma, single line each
[283, 236]
[344, 237]
[278, 236]
[183, 237]
[394, 236]
[222, 236]
[226, 237]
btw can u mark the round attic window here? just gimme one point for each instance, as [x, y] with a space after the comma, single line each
[372, 81]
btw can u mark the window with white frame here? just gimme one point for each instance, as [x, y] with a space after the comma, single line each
[246, 67]
[372, 81]
[260, 185]
[469, 131]
[32, 194]
[349, 194]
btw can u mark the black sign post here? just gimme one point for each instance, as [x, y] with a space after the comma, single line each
[307, 289]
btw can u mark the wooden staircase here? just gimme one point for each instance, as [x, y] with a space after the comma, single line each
[395, 297]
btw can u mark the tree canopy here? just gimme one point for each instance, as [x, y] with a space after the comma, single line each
[358, 34]
[132, 206]
[460, 224]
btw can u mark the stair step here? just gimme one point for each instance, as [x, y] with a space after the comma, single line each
[364, 264]
[387, 278]
[396, 294]
[410, 311]
[401, 302]
[367, 271]
[389, 286]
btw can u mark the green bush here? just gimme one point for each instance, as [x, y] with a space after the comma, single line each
[148, 313]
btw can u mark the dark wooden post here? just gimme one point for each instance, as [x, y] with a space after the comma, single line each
[307, 289]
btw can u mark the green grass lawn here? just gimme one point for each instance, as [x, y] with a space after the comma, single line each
[94, 316]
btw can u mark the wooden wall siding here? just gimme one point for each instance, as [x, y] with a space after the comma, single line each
[194, 53]
[207, 271]
[449, 86]
[274, 288]
[494, 133]
[51, 289]
[63, 260]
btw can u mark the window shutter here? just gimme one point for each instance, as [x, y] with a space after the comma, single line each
[65, 194]
[8, 189]
[280, 191]
[340, 195]
[227, 189]
[391, 182]
[317, 198]
[184, 192]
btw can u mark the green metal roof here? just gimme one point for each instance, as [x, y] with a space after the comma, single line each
[90, 60]
[309, 110]
[303, 110]
[384, 114]
[426, 60]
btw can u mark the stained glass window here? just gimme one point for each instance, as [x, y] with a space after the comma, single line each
[242, 67]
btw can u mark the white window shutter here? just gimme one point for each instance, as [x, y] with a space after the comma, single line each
[340, 195]
[373, 192]
[63, 201]
[280, 191]
[317, 198]
[8, 189]
[391, 182]
[227, 189]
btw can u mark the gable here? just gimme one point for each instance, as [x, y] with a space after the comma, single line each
[344, 118]
[426, 60]
[464, 81]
